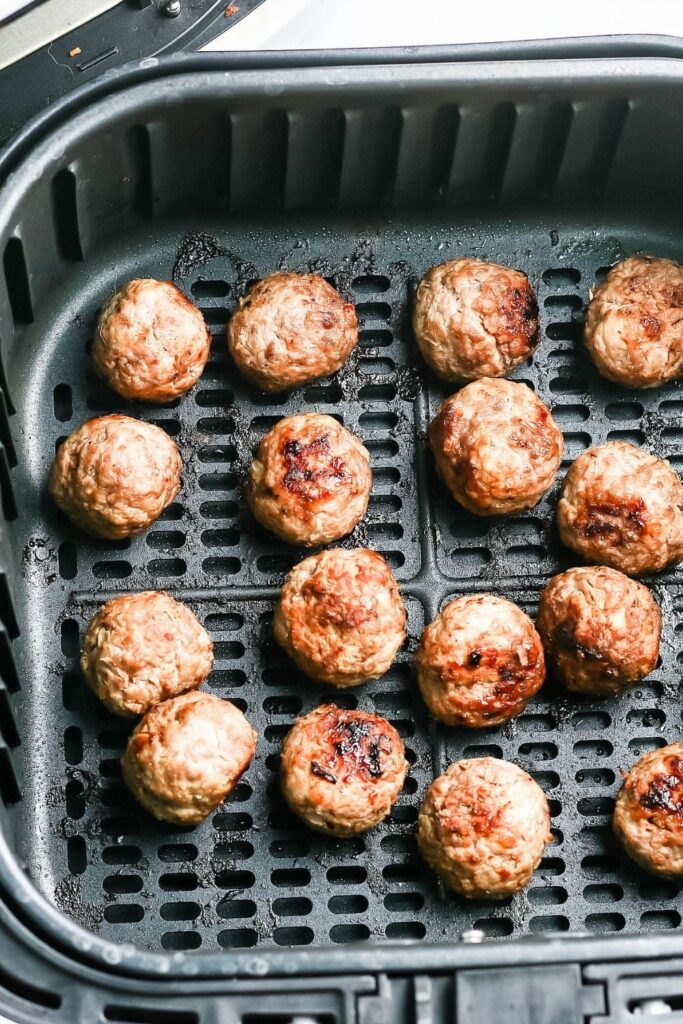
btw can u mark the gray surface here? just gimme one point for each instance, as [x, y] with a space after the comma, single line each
[330, 892]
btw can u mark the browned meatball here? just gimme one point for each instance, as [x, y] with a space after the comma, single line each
[634, 324]
[291, 329]
[342, 771]
[140, 649]
[151, 342]
[623, 507]
[479, 662]
[600, 629]
[186, 755]
[341, 617]
[115, 475]
[496, 446]
[310, 481]
[475, 319]
[483, 827]
[648, 817]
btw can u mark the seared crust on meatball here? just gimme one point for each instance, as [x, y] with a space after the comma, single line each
[475, 319]
[290, 329]
[140, 649]
[151, 342]
[648, 817]
[483, 827]
[479, 662]
[341, 616]
[186, 755]
[634, 323]
[496, 446]
[600, 629]
[115, 475]
[342, 771]
[310, 481]
[623, 507]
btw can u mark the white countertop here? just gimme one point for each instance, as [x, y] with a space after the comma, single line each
[306, 24]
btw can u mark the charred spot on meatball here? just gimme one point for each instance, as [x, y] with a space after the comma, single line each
[342, 770]
[483, 827]
[291, 329]
[475, 319]
[140, 649]
[310, 480]
[600, 629]
[496, 447]
[623, 507]
[341, 617]
[648, 815]
[479, 662]
[114, 476]
[634, 328]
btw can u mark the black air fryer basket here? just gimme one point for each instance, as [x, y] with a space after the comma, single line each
[214, 173]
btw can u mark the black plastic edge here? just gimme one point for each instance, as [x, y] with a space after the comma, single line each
[570, 48]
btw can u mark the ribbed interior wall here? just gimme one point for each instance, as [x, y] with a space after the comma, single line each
[351, 184]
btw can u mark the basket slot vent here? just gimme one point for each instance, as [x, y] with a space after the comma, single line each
[373, 139]
[425, 155]
[5, 410]
[139, 166]
[16, 276]
[149, 1015]
[8, 618]
[8, 668]
[65, 215]
[314, 159]
[27, 991]
[9, 783]
[190, 162]
[259, 160]
[8, 725]
[9, 505]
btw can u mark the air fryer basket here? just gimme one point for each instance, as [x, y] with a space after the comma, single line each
[367, 175]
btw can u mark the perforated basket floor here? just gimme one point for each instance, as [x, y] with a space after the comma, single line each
[252, 875]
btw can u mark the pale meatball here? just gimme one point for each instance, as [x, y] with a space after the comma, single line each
[648, 817]
[622, 507]
[634, 324]
[475, 319]
[115, 475]
[600, 629]
[310, 481]
[341, 616]
[479, 662]
[140, 649]
[496, 446]
[342, 771]
[151, 342]
[483, 827]
[186, 755]
[291, 329]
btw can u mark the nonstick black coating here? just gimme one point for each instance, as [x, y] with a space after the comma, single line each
[252, 875]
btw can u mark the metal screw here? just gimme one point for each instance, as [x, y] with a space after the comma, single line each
[171, 9]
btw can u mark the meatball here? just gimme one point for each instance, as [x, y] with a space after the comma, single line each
[483, 827]
[291, 329]
[648, 817]
[479, 662]
[600, 629]
[186, 755]
[634, 324]
[475, 319]
[622, 507]
[342, 771]
[496, 446]
[115, 475]
[151, 342]
[140, 649]
[341, 617]
[310, 481]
